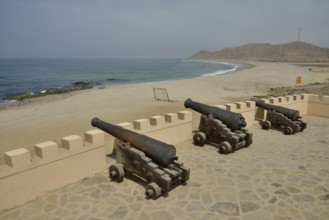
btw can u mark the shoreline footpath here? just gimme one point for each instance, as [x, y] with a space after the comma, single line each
[58, 116]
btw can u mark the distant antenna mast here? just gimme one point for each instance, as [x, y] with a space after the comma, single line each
[299, 29]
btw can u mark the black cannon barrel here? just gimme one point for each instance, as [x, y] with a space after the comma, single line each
[232, 120]
[290, 113]
[159, 151]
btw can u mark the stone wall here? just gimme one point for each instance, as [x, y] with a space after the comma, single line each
[171, 128]
[306, 104]
[247, 109]
[24, 177]
[318, 106]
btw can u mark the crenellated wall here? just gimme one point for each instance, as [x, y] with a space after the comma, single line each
[24, 177]
[296, 102]
[318, 106]
[171, 128]
[306, 104]
[247, 109]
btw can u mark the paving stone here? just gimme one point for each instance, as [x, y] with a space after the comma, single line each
[324, 197]
[119, 213]
[206, 197]
[162, 215]
[276, 184]
[225, 208]
[247, 206]
[303, 198]
[292, 189]
[52, 198]
[194, 206]
[248, 195]
[277, 217]
[282, 192]
[208, 216]
[49, 207]
[273, 200]
[12, 214]
[311, 216]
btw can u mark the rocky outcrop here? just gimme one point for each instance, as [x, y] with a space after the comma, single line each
[294, 51]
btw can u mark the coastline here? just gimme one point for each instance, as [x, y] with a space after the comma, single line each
[56, 116]
[12, 103]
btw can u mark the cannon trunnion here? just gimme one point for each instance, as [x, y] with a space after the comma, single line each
[220, 127]
[286, 119]
[151, 160]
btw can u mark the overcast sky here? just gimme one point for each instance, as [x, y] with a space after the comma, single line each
[153, 28]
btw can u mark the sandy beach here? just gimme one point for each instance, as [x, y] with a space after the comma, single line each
[57, 116]
[277, 177]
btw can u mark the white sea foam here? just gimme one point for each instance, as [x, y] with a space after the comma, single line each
[6, 103]
[234, 68]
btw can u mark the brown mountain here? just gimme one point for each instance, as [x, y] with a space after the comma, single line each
[294, 51]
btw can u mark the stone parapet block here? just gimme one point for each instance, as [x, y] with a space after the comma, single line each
[289, 98]
[46, 150]
[241, 106]
[231, 107]
[317, 105]
[95, 137]
[158, 121]
[296, 102]
[185, 115]
[317, 98]
[126, 125]
[265, 100]
[171, 118]
[48, 168]
[250, 104]
[72, 143]
[18, 158]
[142, 125]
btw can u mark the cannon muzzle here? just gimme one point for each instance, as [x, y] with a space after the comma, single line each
[234, 121]
[290, 113]
[159, 151]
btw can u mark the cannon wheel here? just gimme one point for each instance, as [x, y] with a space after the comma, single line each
[288, 130]
[303, 125]
[199, 139]
[225, 147]
[116, 172]
[266, 125]
[152, 191]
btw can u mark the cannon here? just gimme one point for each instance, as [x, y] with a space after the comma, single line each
[151, 160]
[224, 129]
[280, 117]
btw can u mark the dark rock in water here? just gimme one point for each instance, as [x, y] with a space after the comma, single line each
[110, 79]
[80, 85]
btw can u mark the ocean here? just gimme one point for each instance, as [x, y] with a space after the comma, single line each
[20, 76]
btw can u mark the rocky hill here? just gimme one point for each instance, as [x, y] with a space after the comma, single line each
[294, 51]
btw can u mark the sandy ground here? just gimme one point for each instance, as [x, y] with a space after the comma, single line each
[54, 117]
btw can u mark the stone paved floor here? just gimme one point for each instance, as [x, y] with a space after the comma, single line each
[278, 177]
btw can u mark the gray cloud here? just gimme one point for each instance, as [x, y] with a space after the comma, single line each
[154, 28]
